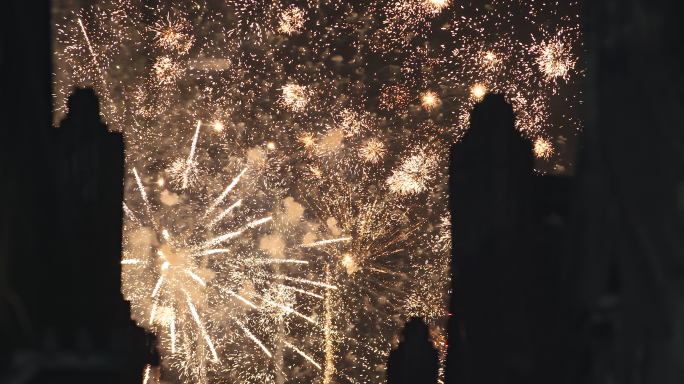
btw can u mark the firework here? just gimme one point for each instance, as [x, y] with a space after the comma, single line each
[173, 35]
[478, 91]
[414, 174]
[436, 6]
[307, 141]
[190, 278]
[361, 237]
[554, 57]
[289, 234]
[256, 20]
[185, 172]
[294, 97]
[543, 148]
[530, 114]
[291, 21]
[489, 60]
[372, 151]
[406, 18]
[352, 123]
[167, 70]
[394, 98]
[429, 100]
[444, 237]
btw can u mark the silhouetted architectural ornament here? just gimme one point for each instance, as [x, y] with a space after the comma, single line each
[415, 361]
[491, 179]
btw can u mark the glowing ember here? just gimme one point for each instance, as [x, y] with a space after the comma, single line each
[543, 148]
[478, 91]
[429, 100]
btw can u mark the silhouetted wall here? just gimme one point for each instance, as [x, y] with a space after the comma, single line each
[624, 267]
[25, 197]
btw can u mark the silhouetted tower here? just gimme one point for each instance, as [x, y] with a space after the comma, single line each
[415, 361]
[491, 183]
[87, 334]
[90, 164]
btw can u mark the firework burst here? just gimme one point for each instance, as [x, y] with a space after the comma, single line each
[295, 97]
[310, 202]
[478, 91]
[543, 148]
[361, 238]
[415, 173]
[173, 35]
[373, 150]
[429, 100]
[291, 21]
[196, 266]
[555, 58]
[167, 70]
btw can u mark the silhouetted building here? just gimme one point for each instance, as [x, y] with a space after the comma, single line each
[509, 227]
[623, 285]
[594, 293]
[491, 180]
[62, 315]
[89, 171]
[87, 333]
[415, 361]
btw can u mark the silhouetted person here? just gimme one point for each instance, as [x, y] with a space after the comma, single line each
[415, 361]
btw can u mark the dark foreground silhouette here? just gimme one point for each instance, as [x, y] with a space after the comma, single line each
[578, 281]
